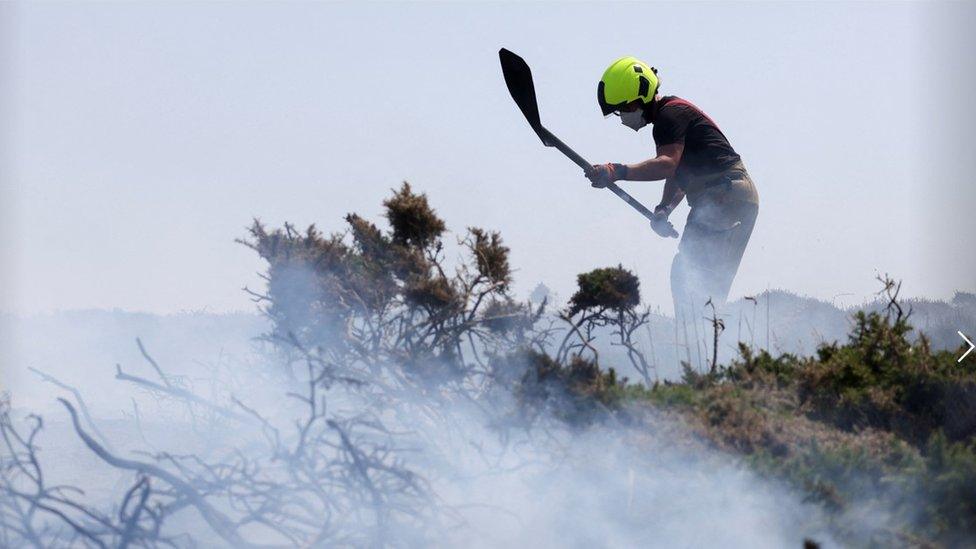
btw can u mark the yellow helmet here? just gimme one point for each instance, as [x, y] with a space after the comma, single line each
[626, 79]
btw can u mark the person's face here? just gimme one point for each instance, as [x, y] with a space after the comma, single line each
[631, 115]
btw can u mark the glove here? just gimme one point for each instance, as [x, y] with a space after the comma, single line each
[605, 174]
[661, 225]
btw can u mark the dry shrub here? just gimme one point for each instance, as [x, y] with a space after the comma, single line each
[491, 256]
[386, 302]
[413, 221]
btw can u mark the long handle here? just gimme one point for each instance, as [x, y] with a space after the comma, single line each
[552, 141]
[633, 203]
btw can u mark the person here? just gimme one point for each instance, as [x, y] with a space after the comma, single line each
[697, 162]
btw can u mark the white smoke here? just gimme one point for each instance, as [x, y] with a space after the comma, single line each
[646, 482]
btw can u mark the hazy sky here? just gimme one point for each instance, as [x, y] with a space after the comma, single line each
[139, 139]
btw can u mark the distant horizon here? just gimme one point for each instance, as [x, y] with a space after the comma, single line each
[847, 307]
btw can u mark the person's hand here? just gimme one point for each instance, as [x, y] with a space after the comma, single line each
[602, 175]
[661, 225]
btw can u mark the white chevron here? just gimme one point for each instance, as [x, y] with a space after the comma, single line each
[971, 346]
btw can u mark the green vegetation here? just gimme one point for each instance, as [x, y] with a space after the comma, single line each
[577, 392]
[611, 288]
[878, 429]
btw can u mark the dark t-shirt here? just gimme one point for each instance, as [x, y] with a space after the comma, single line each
[707, 151]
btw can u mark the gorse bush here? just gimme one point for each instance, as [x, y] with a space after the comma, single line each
[386, 306]
[762, 368]
[877, 424]
[880, 379]
[414, 222]
[578, 392]
[607, 297]
[613, 288]
[385, 302]
[946, 483]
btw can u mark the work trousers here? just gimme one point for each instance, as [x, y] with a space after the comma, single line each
[723, 213]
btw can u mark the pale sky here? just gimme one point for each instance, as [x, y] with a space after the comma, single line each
[139, 139]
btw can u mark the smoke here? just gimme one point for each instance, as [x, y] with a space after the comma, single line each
[485, 478]
[621, 487]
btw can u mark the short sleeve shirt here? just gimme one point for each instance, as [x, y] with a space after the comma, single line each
[706, 149]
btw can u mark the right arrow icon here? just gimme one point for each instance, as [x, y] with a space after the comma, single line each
[971, 346]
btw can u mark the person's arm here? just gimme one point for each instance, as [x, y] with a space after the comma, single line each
[670, 197]
[661, 166]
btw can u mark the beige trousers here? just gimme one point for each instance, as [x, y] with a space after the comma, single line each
[719, 225]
